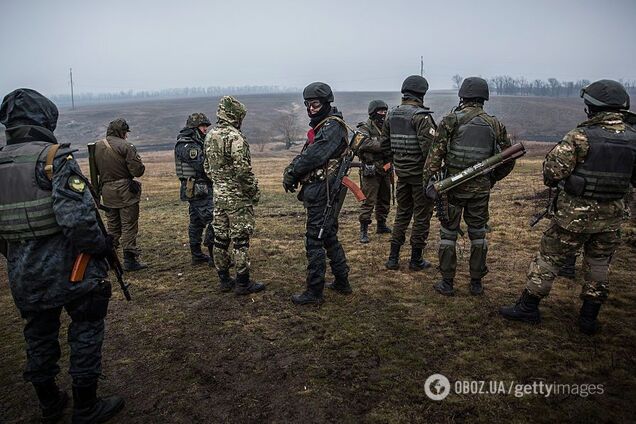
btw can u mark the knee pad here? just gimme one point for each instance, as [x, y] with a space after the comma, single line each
[93, 306]
[448, 235]
[477, 233]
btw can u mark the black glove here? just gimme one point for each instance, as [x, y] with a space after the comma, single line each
[109, 246]
[290, 182]
[430, 191]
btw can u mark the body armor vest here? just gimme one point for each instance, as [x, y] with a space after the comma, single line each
[403, 135]
[473, 141]
[183, 169]
[607, 171]
[26, 210]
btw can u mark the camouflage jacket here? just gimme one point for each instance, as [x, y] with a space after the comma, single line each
[439, 149]
[370, 150]
[189, 149]
[118, 163]
[575, 213]
[39, 269]
[410, 167]
[227, 159]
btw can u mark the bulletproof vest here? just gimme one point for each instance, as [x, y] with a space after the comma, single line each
[403, 135]
[26, 210]
[183, 169]
[607, 170]
[473, 141]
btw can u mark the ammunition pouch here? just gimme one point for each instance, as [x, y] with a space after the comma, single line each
[368, 170]
[320, 174]
[574, 185]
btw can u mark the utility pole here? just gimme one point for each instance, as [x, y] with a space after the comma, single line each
[421, 66]
[72, 97]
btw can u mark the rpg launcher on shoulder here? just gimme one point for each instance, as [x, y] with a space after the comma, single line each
[81, 262]
[92, 167]
[482, 168]
[336, 194]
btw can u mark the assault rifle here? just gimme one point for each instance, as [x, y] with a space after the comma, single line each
[549, 209]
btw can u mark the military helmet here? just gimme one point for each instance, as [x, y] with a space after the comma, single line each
[197, 119]
[25, 106]
[318, 90]
[375, 105]
[474, 87]
[415, 84]
[606, 94]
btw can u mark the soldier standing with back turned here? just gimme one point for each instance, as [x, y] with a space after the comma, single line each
[465, 137]
[376, 181]
[593, 168]
[118, 163]
[407, 135]
[196, 187]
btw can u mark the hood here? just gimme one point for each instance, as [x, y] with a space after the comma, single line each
[28, 107]
[231, 111]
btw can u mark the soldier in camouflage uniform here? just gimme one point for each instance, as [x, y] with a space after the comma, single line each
[407, 135]
[466, 136]
[593, 167]
[47, 217]
[196, 187]
[229, 166]
[315, 169]
[118, 163]
[375, 180]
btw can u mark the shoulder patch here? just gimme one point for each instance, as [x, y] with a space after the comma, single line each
[432, 132]
[76, 184]
[193, 153]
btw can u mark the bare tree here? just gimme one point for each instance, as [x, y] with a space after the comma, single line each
[457, 80]
[288, 124]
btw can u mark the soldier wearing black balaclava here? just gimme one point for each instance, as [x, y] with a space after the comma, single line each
[314, 169]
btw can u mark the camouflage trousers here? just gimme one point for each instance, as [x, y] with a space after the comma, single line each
[123, 225]
[411, 203]
[201, 215]
[474, 208]
[377, 189]
[557, 244]
[233, 227]
[85, 337]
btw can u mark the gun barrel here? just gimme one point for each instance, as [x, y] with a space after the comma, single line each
[92, 166]
[513, 152]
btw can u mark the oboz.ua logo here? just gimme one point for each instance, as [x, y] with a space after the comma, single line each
[437, 387]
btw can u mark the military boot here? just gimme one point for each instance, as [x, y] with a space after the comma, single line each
[568, 269]
[587, 317]
[526, 309]
[476, 288]
[198, 257]
[307, 297]
[131, 263]
[382, 228]
[394, 257]
[88, 408]
[52, 401]
[226, 283]
[245, 286]
[364, 232]
[445, 287]
[418, 263]
[340, 286]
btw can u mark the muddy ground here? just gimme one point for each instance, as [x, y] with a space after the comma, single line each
[182, 352]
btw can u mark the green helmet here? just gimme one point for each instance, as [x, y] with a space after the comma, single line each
[415, 84]
[606, 94]
[374, 105]
[119, 127]
[197, 119]
[473, 88]
[231, 110]
[318, 90]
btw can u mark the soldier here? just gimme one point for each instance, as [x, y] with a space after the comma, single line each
[47, 216]
[229, 166]
[375, 180]
[196, 187]
[118, 163]
[314, 168]
[407, 135]
[593, 167]
[465, 137]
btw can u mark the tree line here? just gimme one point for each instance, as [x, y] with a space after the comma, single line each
[507, 85]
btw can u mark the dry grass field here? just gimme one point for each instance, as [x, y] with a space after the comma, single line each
[182, 352]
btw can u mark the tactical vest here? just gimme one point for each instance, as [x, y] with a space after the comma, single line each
[183, 169]
[26, 210]
[403, 135]
[607, 170]
[472, 142]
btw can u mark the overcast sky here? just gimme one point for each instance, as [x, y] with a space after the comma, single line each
[353, 45]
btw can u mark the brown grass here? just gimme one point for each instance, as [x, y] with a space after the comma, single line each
[183, 352]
